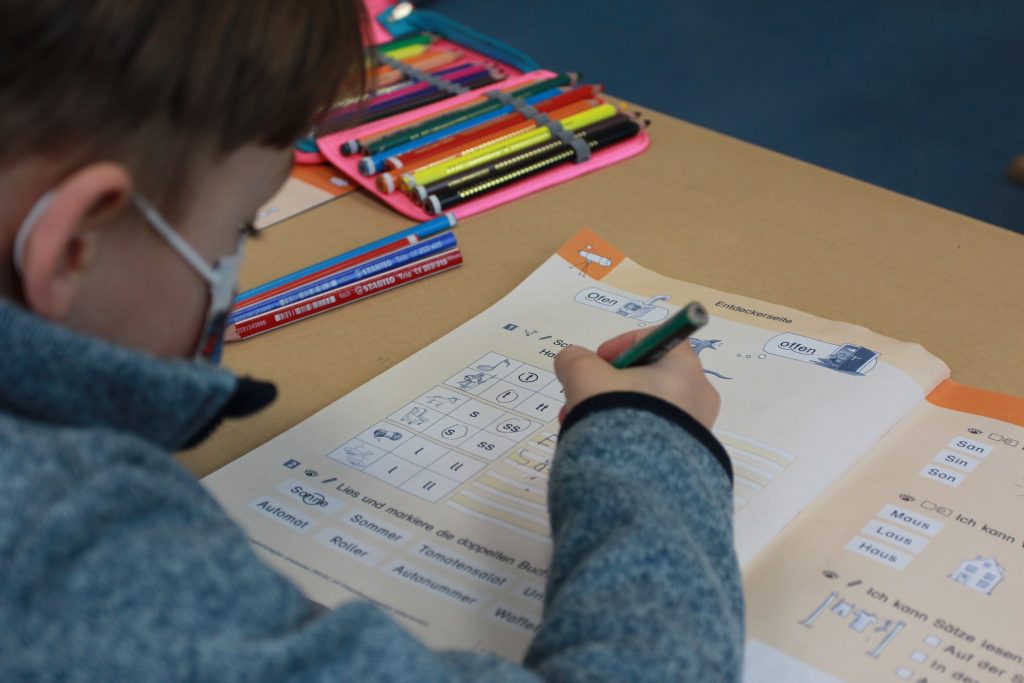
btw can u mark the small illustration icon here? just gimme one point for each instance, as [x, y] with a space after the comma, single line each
[1012, 443]
[385, 434]
[699, 345]
[590, 258]
[907, 498]
[510, 327]
[528, 377]
[291, 464]
[935, 507]
[442, 401]
[473, 380]
[491, 368]
[359, 455]
[413, 417]
[974, 430]
[829, 574]
[982, 574]
[311, 473]
[850, 359]
[640, 309]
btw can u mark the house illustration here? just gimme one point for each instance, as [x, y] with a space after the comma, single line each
[982, 574]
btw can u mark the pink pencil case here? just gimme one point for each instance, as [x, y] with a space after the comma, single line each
[330, 148]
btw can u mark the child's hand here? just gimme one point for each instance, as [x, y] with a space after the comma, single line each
[677, 377]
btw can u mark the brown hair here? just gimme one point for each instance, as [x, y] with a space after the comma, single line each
[152, 82]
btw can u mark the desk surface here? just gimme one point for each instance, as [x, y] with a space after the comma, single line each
[696, 206]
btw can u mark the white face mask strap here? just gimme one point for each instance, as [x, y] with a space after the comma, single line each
[157, 222]
[27, 226]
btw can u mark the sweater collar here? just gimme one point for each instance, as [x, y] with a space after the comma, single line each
[52, 374]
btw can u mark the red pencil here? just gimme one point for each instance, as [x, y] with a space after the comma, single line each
[343, 295]
[491, 129]
[330, 270]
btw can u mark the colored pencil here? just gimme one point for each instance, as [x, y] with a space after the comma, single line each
[405, 41]
[401, 238]
[344, 295]
[379, 265]
[430, 95]
[461, 114]
[428, 62]
[350, 147]
[482, 155]
[371, 165]
[399, 158]
[508, 162]
[562, 154]
[472, 144]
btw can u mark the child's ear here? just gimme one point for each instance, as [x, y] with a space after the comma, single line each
[58, 249]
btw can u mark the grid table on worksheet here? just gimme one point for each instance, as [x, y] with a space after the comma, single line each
[449, 434]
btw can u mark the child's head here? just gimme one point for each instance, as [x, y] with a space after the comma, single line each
[191, 105]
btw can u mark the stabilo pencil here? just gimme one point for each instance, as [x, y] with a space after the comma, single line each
[406, 51]
[510, 162]
[407, 89]
[371, 165]
[295, 285]
[428, 62]
[473, 144]
[405, 41]
[443, 121]
[342, 296]
[482, 155]
[561, 154]
[354, 145]
[383, 264]
[433, 94]
[398, 160]
[407, 237]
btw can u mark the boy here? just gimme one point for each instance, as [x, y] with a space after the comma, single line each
[138, 138]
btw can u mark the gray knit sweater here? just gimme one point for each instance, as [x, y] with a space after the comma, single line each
[116, 565]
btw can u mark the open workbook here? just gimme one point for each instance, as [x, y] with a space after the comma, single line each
[877, 504]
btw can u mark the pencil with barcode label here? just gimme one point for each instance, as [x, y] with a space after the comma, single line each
[344, 295]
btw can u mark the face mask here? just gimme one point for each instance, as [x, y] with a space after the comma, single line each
[220, 280]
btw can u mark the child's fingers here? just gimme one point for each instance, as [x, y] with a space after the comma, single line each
[614, 347]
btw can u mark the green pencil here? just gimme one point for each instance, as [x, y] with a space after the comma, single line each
[665, 337]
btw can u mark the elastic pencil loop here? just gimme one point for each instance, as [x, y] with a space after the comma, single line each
[418, 75]
[578, 144]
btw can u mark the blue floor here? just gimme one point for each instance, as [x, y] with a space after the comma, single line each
[924, 97]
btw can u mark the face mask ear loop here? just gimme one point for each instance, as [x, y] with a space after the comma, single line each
[27, 226]
[157, 222]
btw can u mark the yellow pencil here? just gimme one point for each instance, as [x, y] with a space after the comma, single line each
[407, 52]
[501, 148]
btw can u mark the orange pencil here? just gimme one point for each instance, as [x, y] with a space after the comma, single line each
[387, 182]
[428, 61]
[491, 128]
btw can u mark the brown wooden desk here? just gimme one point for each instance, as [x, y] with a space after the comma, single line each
[696, 206]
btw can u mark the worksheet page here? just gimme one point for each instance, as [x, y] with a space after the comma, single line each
[911, 568]
[424, 490]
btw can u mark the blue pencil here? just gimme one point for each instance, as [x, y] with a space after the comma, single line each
[411, 235]
[383, 264]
